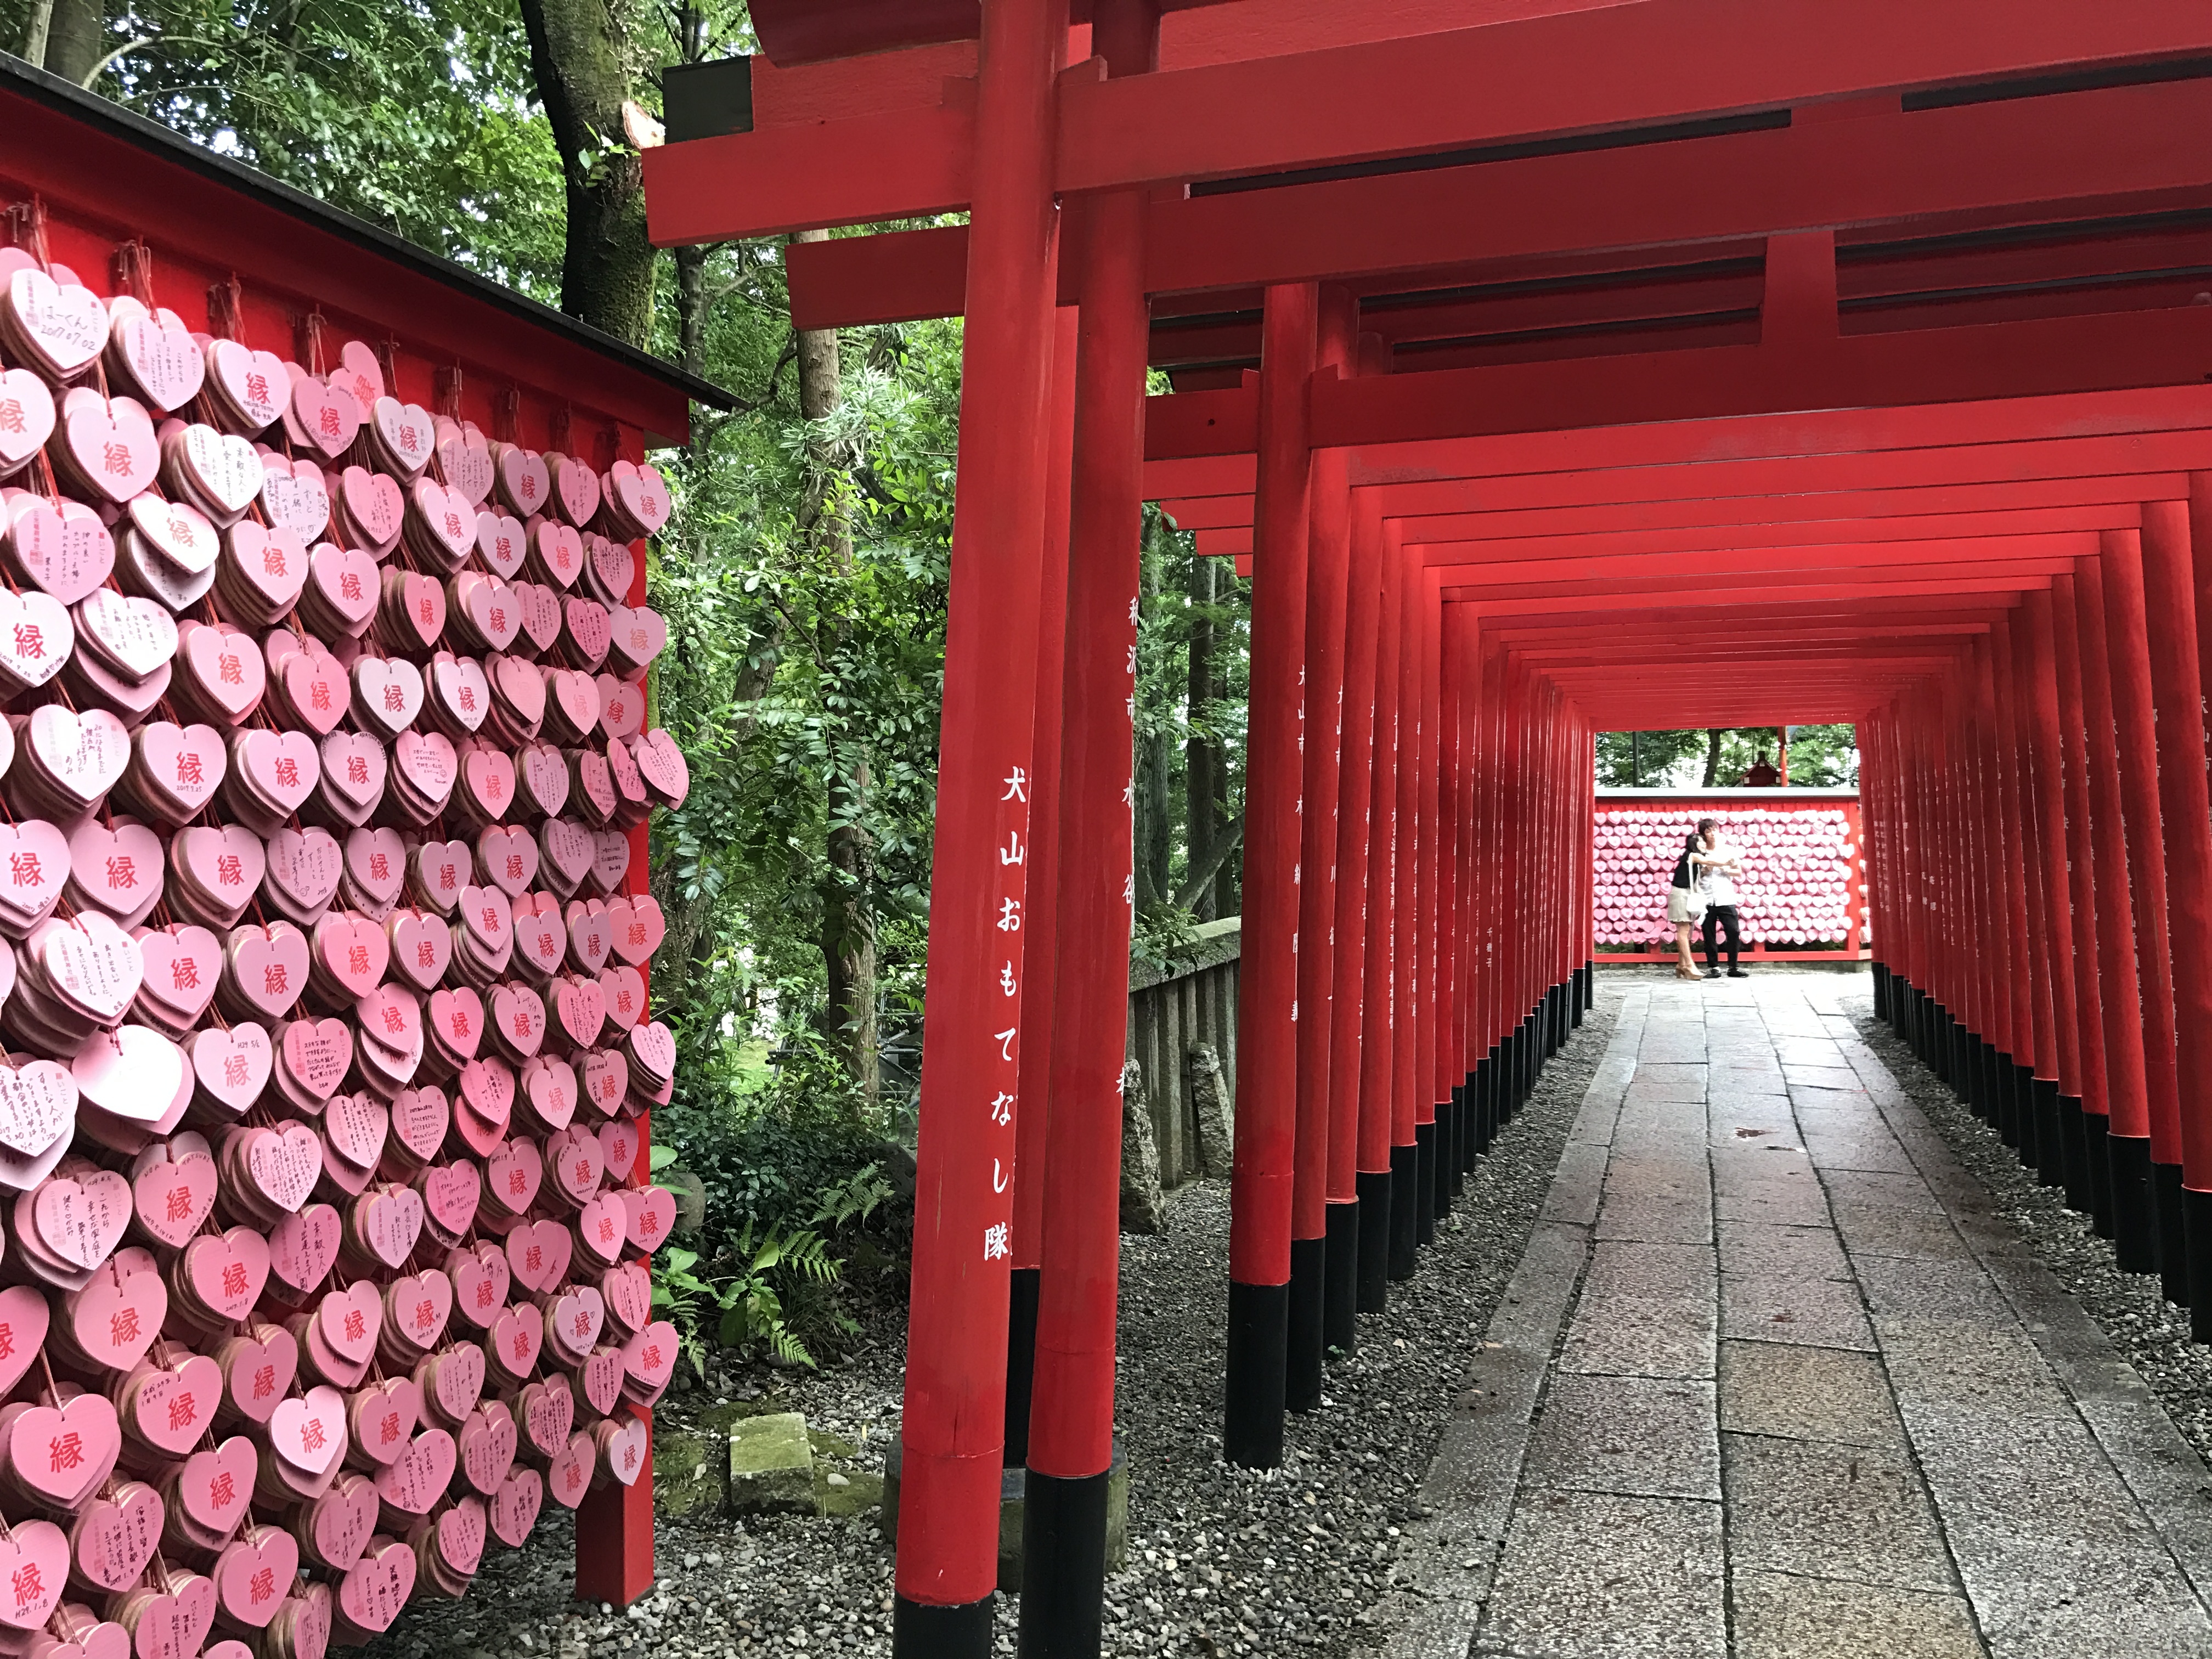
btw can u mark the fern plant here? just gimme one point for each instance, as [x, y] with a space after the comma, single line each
[750, 1306]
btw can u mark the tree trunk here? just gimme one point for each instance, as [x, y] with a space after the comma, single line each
[1201, 825]
[1712, 757]
[576, 56]
[848, 925]
[65, 37]
[1153, 885]
[691, 329]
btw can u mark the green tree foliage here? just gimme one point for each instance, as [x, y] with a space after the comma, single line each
[1827, 757]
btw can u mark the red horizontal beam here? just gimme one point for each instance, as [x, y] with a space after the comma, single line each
[1716, 540]
[1983, 556]
[2028, 160]
[1469, 584]
[1611, 68]
[1721, 598]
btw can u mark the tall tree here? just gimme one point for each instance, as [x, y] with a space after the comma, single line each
[1154, 822]
[67, 38]
[1201, 755]
[582, 55]
[1713, 756]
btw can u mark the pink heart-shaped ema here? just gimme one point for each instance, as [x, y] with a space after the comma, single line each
[606, 1080]
[226, 665]
[568, 1476]
[389, 1221]
[24, 1319]
[345, 579]
[354, 951]
[488, 917]
[35, 636]
[119, 869]
[319, 693]
[376, 504]
[624, 988]
[575, 489]
[622, 707]
[541, 613]
[419, 1120]
[233, 1065]
[349, 1320]
[560, 551]
[64, 547]
[448, 514]
[114, 445]
[595, 783]
[284, 1162]
[638, 927]
[513, 1507]
[507, 857]
[579, 1316]
[309, 1432]
[417, 1308]
[488, 1442]
[523, 479]
[372, 1594]
[129, 1072]
[577, 696]
[513, 1174]
[85, 753]
[651, 1212]
[376, 859]
[601, 1227]
[38, 865]
[223, 470]
[304, 865]
[569, 848]
[355, 767]
[34, 1559]
[161, 356]
[586, 624]
[636, 636]
[173, 1188]
[383, 1417]
[178, 530]
[228, 1271]
[270, 967]
[457, 1017]
[582, 1008]
[461, 689]
[296, 497]
[591, 935]
[329, 415]
[342, 1521]
[64, 322]
[182, 766]
[418, 1477]
[426, 761]
[63, 1455]
[284, 765]
[255, 382]
[492, 610]
[423, 604]
[600, 1377]
[216, 1483]
[524, 687]
[422, 947]
[519, 1015]
[501, 543]
[643, 494]
[174, 1407]
[541, 942]
[619, 1142]
[228, 863]
[409, 435]
[464, 459]
[538, 1254]
[139, 634]
[253, 1573]
[614, 564]
[27, 417]
[652, 1045]
[460, 1380]
[517, 1337]
[361, 372]
[480, 1278]
[628, 1292]
[357, 1127]
[316, 1054]
[549, 1085]
[489, 774]
[622, 1444]
[303, 1248]
[113, 1541]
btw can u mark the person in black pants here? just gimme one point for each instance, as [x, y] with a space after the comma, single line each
[1721, 864]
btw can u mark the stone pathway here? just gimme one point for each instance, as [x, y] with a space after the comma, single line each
[1773, 1380]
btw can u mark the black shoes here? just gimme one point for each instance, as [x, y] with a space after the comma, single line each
[1737, 973]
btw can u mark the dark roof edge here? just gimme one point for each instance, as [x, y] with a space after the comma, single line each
[56, 93]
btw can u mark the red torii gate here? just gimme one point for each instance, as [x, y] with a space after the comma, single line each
[1578, 335]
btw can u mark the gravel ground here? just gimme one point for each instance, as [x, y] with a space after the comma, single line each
[2149, 1331]
[1221, 1561]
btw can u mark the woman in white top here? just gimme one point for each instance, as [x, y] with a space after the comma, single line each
[1685, 906]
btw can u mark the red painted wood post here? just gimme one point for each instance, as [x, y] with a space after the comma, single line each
[1486, 849]
[2091, 1193]
[2127, 1146]
[1266, 1043]
[1070, 1444]
[1039, 904]
[2135, 709]
[954, 1424]
[2002, 903]
[614, 1524]
[1444, 1062]
[1360, 1141]
[2186, 811]
[1322, 692]
[1431, 931]
[2057, 1124]
[2035, 1062]
[1465, 641]
[1403, 613]
[1378, 1118]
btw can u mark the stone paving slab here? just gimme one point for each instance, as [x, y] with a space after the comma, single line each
[1797, 1390]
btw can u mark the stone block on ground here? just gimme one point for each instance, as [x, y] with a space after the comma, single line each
[839, 1494]
[1142, 1203]
[687, 1475]
[1216, 1111]
[771, 1465]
